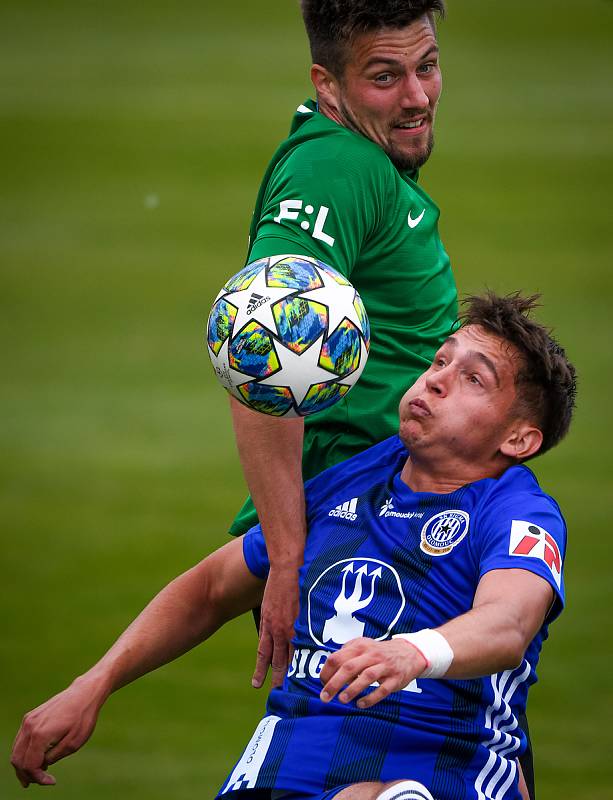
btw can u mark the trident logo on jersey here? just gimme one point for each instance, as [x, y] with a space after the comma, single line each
[343, 626]
[354, 597]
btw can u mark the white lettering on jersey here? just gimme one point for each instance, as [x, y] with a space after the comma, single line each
[346, 510]
[290, 210]
[318, 230]
[528, 539]
[307, 662]
[245, 773]
[387, 510]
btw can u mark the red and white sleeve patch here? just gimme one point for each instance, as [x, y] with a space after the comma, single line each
[528, 539]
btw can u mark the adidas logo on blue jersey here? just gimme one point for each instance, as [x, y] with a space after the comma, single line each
[346, 510]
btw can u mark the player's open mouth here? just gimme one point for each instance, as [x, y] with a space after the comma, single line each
[417, 123]
[411, 128]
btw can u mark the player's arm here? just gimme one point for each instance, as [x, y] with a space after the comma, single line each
[183, 614]
[270, 451]
[509, 607]
[309, 208]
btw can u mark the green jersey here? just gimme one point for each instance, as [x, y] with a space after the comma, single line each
[334, 195]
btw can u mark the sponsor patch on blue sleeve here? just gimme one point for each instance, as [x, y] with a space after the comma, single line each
[530, 540]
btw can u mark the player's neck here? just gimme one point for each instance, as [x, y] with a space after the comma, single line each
[328, 111]
[421, 475]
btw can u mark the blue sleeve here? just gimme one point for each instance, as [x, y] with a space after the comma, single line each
[525, 531]
[255, 553]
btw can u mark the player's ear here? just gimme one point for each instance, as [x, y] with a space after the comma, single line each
[523, 441]
[326, 86]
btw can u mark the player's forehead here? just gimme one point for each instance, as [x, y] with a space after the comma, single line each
[407, 44]
[475, 341]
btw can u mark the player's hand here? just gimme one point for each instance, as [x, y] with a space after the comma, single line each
[279, 611]
[393, 664]
[54, 730]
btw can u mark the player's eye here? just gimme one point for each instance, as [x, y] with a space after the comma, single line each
[475, 379]
[426, 68]
[385, 78]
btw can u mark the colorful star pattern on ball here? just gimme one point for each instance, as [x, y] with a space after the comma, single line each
[221, 323]
[288, 336]
[252, 352]
[340, 353]
[300, 322]
[295, 273]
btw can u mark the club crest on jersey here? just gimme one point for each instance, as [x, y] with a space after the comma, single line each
[443, 532]
[354, 597]
[528, 539]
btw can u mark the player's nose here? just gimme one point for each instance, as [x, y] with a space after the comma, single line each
[414, 96]
[438, 381]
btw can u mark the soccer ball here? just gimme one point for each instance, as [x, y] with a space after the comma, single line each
[288, 336]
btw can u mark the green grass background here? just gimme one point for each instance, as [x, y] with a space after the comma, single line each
[132, 140]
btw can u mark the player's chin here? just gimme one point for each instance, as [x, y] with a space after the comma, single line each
[409, 158]
[411, 432]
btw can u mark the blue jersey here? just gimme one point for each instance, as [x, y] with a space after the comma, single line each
[381, 559]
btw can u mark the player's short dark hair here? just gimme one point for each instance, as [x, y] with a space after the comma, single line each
[332, 25]
[545, 379]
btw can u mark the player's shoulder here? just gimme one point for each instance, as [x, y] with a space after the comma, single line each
[322, 141]
[328, 165]
[520, 479]
[517, 489]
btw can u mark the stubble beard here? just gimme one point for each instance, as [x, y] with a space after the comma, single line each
[404, 162]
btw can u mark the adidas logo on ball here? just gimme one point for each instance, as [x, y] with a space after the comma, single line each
[255, 301]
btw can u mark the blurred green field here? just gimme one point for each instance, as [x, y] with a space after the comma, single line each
[132, 140]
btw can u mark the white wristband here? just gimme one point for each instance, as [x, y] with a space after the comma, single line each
[434, 648]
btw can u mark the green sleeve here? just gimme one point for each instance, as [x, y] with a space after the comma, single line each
[324, 200]
[246, 518]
